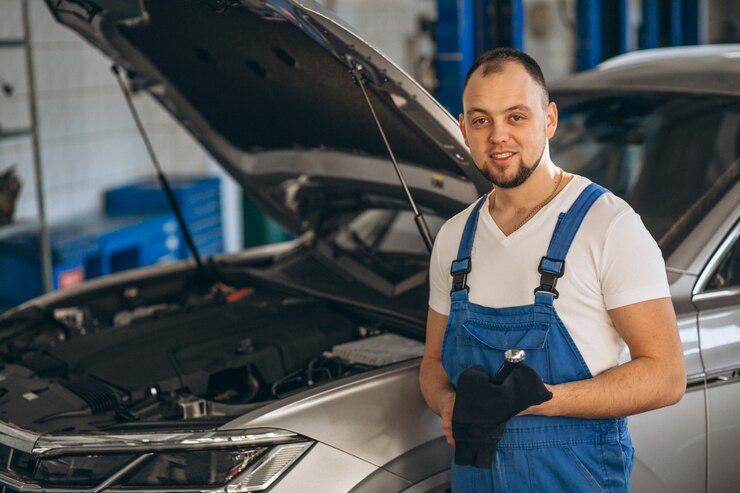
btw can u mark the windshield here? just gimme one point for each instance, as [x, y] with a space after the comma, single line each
[388, 241]
[666, 155]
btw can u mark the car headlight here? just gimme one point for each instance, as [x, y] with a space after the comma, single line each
[235, 470]
[221, 461]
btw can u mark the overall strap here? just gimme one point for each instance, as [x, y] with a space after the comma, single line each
[462, 265]
[552, 266]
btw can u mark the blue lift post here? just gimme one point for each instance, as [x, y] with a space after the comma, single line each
[588, 14]
[670, 23]
[626, 43]
[676, 13]
[604, 28]
[464, 31]
[604, 31]
[508, 23]
[455, 49]
[616, 32]
[517, 24]
[650, 31]
[691, 26]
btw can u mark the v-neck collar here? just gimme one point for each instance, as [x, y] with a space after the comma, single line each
[561, 199]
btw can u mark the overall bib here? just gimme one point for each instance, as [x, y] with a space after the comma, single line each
[537, 453]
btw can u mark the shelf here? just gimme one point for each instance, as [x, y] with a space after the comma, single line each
[11, 133]
[12, 43]
[18, 228]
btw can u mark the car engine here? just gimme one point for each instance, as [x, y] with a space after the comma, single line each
[198, 362]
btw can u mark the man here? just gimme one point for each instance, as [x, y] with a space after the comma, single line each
[609, 293]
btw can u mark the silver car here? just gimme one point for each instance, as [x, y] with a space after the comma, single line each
[294, 367]
[661, 128]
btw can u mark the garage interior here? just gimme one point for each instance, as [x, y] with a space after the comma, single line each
[71, 157]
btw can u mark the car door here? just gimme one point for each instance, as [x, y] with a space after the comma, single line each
[670, 443]
[717, 297]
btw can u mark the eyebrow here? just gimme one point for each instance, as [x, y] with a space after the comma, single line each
[521, 107]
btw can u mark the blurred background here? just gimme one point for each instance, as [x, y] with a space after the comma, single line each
[69, 147]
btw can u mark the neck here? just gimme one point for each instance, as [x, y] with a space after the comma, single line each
[530, 193]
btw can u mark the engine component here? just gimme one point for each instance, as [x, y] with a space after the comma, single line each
[379, 350]
[97, 395]
[192, 408]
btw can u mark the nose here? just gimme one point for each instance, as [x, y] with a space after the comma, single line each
[498, 134]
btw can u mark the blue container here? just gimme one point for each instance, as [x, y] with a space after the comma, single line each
[21, 276]
[199, 199]
[128, 242]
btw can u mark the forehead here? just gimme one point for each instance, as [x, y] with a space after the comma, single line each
[510, 86]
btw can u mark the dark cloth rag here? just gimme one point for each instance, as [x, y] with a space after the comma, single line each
[484, 404]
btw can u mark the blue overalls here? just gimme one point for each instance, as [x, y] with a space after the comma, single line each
[537, 453]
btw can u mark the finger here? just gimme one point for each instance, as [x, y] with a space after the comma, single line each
[449, 438]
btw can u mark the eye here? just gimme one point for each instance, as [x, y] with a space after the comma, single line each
[479, 121]
[517, 118]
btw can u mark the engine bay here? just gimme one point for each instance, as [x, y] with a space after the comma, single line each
[197, 360]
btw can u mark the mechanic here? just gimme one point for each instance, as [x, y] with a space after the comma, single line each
[575, 292]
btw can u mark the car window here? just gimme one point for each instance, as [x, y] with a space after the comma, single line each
[727, 274]
[667, 156]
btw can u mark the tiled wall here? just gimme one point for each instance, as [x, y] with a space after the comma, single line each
[393, 27]
[389, 25]
[88, 139]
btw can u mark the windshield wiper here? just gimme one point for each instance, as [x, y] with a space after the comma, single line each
[370, 252]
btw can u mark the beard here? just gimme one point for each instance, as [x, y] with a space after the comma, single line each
[523, 173]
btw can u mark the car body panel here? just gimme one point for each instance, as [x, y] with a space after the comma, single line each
[688, 70]
[368, 417]
[670, 447]
[724, 435]
[309, 474]
[719, 324]
[683, 447]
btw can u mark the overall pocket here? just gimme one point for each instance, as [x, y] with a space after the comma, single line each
[484, 343]
[571, 468]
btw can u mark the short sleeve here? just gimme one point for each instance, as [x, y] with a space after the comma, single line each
[440, 281]
[632, 265]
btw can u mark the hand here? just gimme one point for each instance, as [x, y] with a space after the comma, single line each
[447, 418]
[484, 401]
[541, 409]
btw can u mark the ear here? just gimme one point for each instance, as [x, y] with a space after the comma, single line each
[461, 123]
[551, 116]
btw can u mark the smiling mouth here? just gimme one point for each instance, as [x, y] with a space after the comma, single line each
[501, 158]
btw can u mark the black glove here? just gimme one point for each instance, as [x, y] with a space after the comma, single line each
[483, 406]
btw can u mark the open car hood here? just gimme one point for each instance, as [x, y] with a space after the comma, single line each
[266, 87]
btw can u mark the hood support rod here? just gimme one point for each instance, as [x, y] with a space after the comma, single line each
[160, 175]
[418, 217]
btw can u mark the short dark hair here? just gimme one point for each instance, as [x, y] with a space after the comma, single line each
[493, 61]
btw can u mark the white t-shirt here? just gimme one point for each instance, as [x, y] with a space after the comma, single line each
[612, 262]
